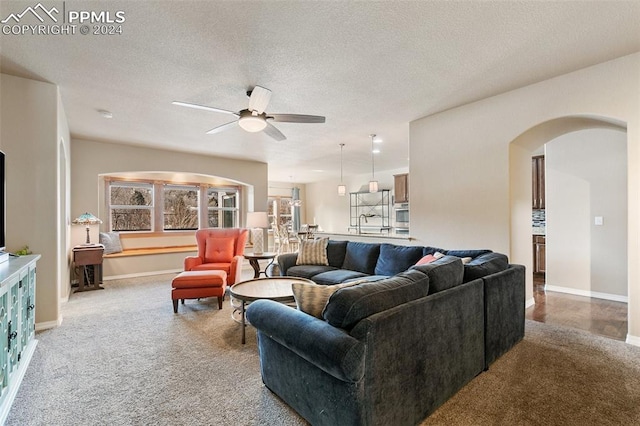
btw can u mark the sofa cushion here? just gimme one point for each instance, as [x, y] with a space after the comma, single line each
[308, 271]
[443, 273]
[312, 298]
[337, 276]
[361, 257]
[219, 250]
[486, 264]
[432, 250]
[313, 252]
[395, 259]
[347, 306]
[335, 252]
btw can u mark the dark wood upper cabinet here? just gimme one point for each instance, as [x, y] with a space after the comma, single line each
[401, 188]
[537, 193]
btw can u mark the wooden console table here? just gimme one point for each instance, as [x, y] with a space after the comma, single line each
[89, 255]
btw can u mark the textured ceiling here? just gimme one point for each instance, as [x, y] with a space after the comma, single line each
[369, 67]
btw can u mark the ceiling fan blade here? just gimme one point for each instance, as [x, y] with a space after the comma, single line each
[259, 99]
[222, 127]
[274, 133]
[206, 108]
[297, 118]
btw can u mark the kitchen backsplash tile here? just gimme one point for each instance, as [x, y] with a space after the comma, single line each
[538, 222]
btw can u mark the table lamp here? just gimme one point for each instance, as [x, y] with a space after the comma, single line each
[256, 221]
[87, 219]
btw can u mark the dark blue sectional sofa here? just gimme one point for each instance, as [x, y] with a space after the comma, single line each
[394, 348]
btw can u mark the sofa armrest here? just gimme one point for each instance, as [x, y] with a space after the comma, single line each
[191, 262]
[285, 261]
[328, 348]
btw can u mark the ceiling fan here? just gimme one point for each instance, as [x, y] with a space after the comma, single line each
[254, 119]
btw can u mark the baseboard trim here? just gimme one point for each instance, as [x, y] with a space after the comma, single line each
[529, 303]
[141, 274]
[48, 324]
[587, 293]
[633, 340]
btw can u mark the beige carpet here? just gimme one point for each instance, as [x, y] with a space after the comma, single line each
[122, 357]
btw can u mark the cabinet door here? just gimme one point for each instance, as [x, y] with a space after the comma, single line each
[537, 182]
[4, 339]
[14, 321]
[30, 307]
[401, 188]
[539, 254]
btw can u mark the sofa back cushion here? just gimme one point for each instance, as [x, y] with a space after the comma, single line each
[336, 251]
[347, 306]
[219, 250]
[361, 257]
[395, 259]
[485, 264]
[443, 273]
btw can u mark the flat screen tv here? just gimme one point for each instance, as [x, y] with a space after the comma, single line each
[2, 204]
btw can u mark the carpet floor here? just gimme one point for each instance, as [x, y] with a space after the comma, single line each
[122, 357]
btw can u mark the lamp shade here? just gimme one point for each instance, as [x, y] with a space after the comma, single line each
[342, 190]
[257, 220]
[86, 219]
[373, 186]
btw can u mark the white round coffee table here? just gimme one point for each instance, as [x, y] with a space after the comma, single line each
[277, 289]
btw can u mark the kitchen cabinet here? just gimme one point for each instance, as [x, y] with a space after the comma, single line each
[401, 188]
[537, 193]
[539, 254]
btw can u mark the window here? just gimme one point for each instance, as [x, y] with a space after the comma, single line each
[131, 206]
[167, 206]
[180, 207]
[222, 208]
[280, 211]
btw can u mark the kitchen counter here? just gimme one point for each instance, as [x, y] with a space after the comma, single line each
[367, 237]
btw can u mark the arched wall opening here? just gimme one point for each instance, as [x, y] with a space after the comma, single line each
[520, 152]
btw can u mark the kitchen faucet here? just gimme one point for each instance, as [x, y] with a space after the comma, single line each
[365, 215]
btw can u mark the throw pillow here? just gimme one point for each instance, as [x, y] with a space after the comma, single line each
[218, 250]
[111, 242]
[426, 259]
[312, 298]
[313, 252]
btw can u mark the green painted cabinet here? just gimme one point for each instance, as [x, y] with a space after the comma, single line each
[17, 325]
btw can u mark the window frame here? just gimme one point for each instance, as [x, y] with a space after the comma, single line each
[157, 207]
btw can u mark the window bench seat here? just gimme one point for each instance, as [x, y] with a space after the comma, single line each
[148, 255]
[151, 250]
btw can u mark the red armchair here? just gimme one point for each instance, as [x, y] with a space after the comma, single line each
[220, 249]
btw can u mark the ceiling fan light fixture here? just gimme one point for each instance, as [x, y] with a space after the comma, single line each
[252, 123]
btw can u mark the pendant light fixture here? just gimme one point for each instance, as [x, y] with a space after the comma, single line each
[373, 183]
[342, 189]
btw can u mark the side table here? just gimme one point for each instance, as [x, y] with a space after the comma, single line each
[89, 255]
[253, 261]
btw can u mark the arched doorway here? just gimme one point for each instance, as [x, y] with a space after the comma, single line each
[521, 149]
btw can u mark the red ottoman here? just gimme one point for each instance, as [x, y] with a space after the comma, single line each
[197, 284]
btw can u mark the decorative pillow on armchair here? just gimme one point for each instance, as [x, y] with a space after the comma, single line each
[219, 250]
[313, 252]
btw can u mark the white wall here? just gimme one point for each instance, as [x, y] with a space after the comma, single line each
[30, 138]
[586, 176]
[90, 159]
[462, 159]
